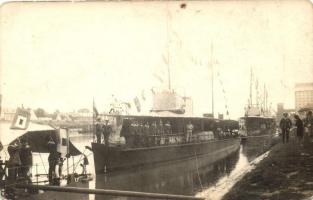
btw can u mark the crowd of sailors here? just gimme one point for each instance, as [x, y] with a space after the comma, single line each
[149, 134]
[156, 132]
[18, 166]
[103, 129]
[17, 169]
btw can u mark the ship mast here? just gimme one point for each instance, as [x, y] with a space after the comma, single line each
[251, 76]
[168, 46]
[212, 79]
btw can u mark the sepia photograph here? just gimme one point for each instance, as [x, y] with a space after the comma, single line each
[125, 100]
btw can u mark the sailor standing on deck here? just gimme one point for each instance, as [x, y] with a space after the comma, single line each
[132, 135]
[189, 131]
[13, 167]
[98, 131]
[285, 125]
[26, 158]
[52, 159]
[141, 134]
[160, 132]
[167, 131]
[106, 130]
[14, 162]
[146, 134]
[153, 133]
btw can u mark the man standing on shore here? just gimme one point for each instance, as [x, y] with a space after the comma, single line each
[285, 125]
[308, 122]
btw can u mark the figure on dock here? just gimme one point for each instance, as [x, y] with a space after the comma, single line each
[300, 128]
[285, 125]
[309, 123]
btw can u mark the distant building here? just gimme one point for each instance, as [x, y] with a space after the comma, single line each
[8, 114]
[303, 95]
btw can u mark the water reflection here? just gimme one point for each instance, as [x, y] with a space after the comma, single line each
[252, 151]
[177, 178]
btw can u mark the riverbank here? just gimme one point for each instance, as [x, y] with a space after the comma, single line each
[287, 173]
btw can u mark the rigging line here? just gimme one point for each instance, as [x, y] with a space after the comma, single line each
[223, 90]
[197, 166]
[80, 158]
[75, 163]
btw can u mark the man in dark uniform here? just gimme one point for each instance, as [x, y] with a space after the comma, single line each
[13, 165]
[26, 158]
[285, 125]
[98, 130]
[52, 159]
[106, 131]
[308, 122]
[153, 133]
[146, 134]
[140, 134]
[132, 134]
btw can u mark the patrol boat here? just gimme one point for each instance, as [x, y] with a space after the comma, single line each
[258, 120]
[161, 137]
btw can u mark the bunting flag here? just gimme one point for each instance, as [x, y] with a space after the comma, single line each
[95, 111]
[137, 103]
[256, 84]
[159, 78]
[0, 104]
[165, 60]
[143, 96]
[21, 119]
[127, 104]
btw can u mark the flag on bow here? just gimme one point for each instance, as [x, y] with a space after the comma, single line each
[21, 119]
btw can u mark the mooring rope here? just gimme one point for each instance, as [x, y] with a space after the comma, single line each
[198, 173]
[76, 163]
[80, 158]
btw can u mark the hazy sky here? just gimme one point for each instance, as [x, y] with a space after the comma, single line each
[61, 55]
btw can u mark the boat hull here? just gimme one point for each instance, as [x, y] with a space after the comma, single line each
[109, 159]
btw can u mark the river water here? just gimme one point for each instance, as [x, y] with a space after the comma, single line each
[185, 178]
